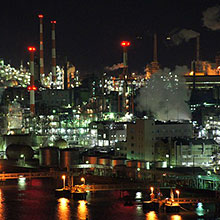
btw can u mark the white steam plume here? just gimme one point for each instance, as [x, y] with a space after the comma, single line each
[184, 35]
[115, 67]
[211, 18]
[165, 95]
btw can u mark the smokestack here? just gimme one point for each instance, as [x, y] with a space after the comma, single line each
[154, 64]
[125, 44]
[53, 53]
[155, 48]
[197, 53]
[32, 87]
[41, 46]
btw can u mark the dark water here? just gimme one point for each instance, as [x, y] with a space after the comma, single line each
[35, 199]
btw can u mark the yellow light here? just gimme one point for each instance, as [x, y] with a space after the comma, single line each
[176, 217]
[151, 216]
[83, 180]
[63, 177]
[82, 210]
[152, 189]
[177, 192]
[63, 209]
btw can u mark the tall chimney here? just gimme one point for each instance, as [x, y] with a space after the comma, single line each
[155, 48]
[197, 53]
[125, 44]
[53, 53]
[32, 87]
[41, 47]
[154, 63]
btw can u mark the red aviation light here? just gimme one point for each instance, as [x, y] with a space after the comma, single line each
[32, 49]
[53, 22]
[40, 16]
[34, 88]
[125, 43]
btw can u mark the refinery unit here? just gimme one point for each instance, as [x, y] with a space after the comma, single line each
[61, 119]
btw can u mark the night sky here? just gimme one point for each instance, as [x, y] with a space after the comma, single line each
[89, 32]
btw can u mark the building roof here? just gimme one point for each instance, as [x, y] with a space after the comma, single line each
[198, 141]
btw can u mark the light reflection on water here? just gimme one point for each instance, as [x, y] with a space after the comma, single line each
[82, 210]
[151, 216]
[2, 206]
[176, 217]
[36, 200]
[63, 209]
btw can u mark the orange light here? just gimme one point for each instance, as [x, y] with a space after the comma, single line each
[31, 49]
[40, 16]
[125, 43]
[53, 22]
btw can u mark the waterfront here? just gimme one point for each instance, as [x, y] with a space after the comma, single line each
[35, 199]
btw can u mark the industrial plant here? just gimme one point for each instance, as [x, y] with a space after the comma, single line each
[116, 122]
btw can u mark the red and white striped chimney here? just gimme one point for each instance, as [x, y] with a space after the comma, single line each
[53, 53]
[41, 46]
[32, 87]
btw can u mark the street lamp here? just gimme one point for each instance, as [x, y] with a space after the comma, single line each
[152, 189]
[178, 195]
[64, 179]
[152, 193]
[83, 180]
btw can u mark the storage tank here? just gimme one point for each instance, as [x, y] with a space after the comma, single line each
[22, 139]
[69, 157]
[61, 143]
[104, 161]
[161, 164]
[18, 151]
[90, 159]
[49, 156]
[136, 164]
[147, 165]
[116, 162]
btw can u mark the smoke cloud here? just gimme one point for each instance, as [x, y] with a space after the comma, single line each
[211, 18]
[115, 67]
[165, 95]
[183, 35]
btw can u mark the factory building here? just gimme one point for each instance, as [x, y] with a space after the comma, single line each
[145, 133]
[196, 152]
[107, 133]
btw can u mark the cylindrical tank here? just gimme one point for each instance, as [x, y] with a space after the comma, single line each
[90, 159]
[22, 139]
[68, 157]
[136, 164]
[148, 165]
[61, 144]
[49, 156]
[116, 162]
[161, 164]
[104, 161]
[16, 151]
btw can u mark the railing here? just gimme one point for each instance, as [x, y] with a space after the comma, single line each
[195, 200]
[105, 187]
[29, 175]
